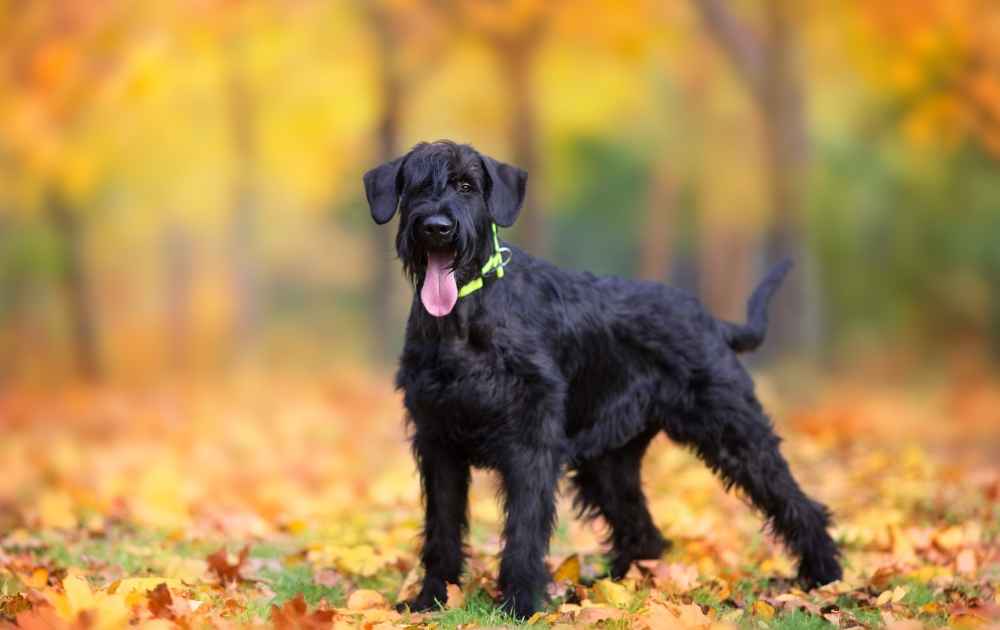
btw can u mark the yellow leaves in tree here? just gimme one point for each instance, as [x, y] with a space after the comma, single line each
[55, 63]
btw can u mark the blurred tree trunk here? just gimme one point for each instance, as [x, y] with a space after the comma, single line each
[179, 270]
[516, 56]
[242, 237]
[390, 86]
[81, 310]
[767, 66]
[656, 250]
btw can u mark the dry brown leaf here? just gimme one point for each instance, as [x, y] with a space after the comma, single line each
[161, 602]
[226, 570]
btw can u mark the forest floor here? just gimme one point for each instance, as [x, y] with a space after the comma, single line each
[294, 503]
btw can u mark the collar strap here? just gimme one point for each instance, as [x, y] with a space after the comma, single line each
[494, 264]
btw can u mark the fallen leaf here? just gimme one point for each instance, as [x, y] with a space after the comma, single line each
[456, 599]
[612, 593]
[595, 614]
[142, 585]
[294, 615]
[568, 570]
[692, 616]
[227, 571]
[363, 599]
[161, 602]
[55, 510]
[965, 562]
[763, 610]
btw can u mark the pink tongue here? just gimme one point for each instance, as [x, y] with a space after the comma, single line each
[440, 291]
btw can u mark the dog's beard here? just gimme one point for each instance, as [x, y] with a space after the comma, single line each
[440, 291]
[441, 271]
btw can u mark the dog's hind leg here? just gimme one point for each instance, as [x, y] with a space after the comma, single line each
[729, 431]
[609, 485]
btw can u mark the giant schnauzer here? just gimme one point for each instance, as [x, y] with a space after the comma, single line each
[515, 365]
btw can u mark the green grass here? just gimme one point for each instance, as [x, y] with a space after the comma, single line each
[287, 584]
[918, 594]
[799, 620]
[870, 617]
[478, 610]
[291, 581]
[704, 597]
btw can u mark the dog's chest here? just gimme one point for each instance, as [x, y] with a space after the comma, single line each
[461, 398]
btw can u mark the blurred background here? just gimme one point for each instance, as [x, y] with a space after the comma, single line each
[180, 182]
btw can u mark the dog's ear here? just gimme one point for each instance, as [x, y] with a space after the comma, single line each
[506, 190]
[382, 190]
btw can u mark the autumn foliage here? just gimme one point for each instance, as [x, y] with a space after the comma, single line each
[247, 503]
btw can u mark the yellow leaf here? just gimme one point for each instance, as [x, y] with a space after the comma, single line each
[39, 578]
[78, 595]
[142, 584]
[949, 538]
[55, 510]
[609, 592]
[568, 570]
[185, 569]
[456, 599]
[691, 616]
[965, 620]
[763, 610]
[363, 599]
[535, 618]
[112, 611]
[884, 598]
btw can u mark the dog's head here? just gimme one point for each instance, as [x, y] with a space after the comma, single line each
[448, 196]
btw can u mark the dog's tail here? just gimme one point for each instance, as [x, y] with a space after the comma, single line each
[748, 337]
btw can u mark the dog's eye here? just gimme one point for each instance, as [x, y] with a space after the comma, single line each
[463, 186]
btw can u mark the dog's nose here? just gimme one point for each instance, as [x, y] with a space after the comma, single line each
[438, 227]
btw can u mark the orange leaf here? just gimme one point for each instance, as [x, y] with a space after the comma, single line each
[364, 599]
[456, 598]
[294, 615]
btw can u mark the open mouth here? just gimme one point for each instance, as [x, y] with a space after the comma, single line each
[440, 292]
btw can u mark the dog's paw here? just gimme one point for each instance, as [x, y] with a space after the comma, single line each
[520, 605]
[430, 598]
[819, 571]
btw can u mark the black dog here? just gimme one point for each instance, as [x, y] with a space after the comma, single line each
[515, 365]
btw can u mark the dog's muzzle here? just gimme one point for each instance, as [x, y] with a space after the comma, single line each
[437, 231]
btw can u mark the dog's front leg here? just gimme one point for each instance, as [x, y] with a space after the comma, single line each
[445, 480]
[530, 476]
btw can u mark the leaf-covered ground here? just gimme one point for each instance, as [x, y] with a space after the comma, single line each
[283, 503]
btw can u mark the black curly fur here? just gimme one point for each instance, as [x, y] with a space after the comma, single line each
[548, 370]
